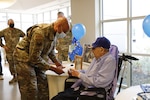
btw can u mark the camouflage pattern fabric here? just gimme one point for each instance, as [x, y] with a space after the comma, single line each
[63, 46]
[31, 59]
[11, 37]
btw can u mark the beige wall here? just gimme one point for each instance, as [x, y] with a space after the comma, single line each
[86, 12]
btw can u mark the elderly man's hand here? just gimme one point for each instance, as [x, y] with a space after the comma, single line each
[74, 72]
[69, 72]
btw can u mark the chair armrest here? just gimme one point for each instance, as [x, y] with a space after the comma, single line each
[94, 92]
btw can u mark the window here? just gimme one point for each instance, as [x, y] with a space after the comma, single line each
[54, 15]
[40, 18]
[3, 17]
[114, 9]
[140, 42]
[121, 22]
[117, 31]
[64, 10]
[140, 7]
[3, 25]
[47, 17]
[27, 18]
[14, 16]
[3, 21]
[26, 21]
[140, 70]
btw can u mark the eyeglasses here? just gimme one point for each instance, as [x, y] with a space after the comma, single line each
[93, 48]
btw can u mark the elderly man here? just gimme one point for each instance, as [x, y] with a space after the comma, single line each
[32, 56]
[100, 73]
[11, 36]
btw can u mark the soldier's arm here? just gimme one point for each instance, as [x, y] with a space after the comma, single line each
[35, 50]
[53, 57]
[35, 59]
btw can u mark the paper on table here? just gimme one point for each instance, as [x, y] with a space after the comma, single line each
[67, 67]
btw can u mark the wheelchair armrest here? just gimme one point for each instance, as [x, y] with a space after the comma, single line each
[99, 93]
[94, 89]
[70, 81]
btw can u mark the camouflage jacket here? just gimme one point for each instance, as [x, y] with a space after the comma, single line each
[63, 43]
[36, 48]
[11, 37]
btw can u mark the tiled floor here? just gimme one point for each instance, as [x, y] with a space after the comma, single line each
[8, 92]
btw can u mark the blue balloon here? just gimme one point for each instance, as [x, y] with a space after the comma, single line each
[78, 31]
[77, 50]
[146, 25]
[74, 40]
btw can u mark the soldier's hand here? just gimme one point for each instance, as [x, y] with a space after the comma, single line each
[58, 64]
[57, 70]
[61, 67]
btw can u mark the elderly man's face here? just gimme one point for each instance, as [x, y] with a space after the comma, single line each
[98, 51]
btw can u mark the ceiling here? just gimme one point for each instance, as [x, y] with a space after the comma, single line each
[37, 5]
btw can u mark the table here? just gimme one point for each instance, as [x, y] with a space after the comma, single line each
[56, 82]
[129, 93]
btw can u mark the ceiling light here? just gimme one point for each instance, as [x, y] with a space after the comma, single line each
[6, 3]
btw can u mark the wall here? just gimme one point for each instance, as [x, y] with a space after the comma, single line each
[87, 13]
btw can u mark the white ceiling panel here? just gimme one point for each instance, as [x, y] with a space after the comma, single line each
[28, 4]
[37, 5]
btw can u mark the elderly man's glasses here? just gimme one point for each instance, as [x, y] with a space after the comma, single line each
[93, 48]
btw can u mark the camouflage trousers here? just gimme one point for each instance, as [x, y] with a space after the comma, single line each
[33, 84]
[10, 61]
[63, 55]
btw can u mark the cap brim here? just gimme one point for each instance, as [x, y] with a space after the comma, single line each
[90, 47]
[94, 45]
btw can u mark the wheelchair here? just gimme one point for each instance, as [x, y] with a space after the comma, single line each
[103, 93]
[98, 93]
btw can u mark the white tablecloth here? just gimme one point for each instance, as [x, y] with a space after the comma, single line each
[55, 81]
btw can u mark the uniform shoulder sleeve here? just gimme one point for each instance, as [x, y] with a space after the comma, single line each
[38, 38]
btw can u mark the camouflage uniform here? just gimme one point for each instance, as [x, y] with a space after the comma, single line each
[31, 58]
[63, 46]
[11, 37]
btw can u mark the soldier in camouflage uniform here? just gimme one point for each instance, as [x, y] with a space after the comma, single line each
[62, 45]
[32, 56]
[11, 36]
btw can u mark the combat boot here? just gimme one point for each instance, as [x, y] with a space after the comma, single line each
[13, 80]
